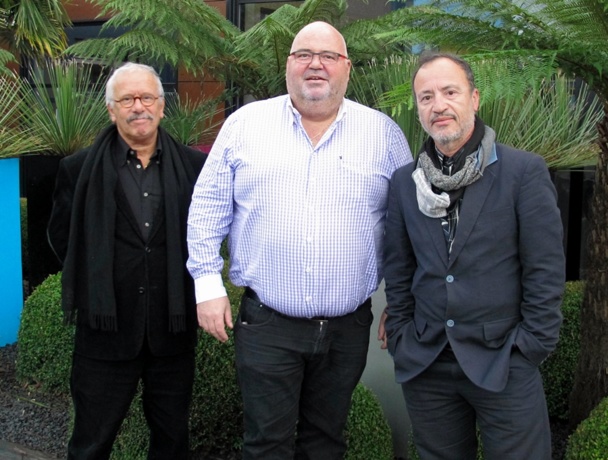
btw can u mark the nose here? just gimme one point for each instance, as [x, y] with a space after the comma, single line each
[137, 103]
[439, 103]
[316, 61]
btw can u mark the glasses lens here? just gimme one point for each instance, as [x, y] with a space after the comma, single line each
[303, 56]
[127, 101]
[329, 58]
[147, 100]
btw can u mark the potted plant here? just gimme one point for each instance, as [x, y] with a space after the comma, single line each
[64, 105]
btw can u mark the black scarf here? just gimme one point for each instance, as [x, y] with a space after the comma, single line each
[92, 226]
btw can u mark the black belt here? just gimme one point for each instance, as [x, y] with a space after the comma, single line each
[253, 296]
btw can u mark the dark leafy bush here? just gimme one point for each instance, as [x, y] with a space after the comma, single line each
[590, 439]
[367, 432]
[558, 369]
[44, 343]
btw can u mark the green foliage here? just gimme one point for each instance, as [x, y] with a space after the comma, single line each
[534, 114]
[14, 138]
[33, 28]
[68, 115]
[190, 122]
[558, 369]
[45, 344]
[566, 33]
[590, 439]
[368, 435]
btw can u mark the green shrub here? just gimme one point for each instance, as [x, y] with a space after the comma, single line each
[44, 343]
[558, 369]
[368, 435]
[590, 439]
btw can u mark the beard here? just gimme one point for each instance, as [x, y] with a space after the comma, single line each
[446, 138]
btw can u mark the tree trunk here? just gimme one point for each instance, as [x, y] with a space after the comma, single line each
[591, 379]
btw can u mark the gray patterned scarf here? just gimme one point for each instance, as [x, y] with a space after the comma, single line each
[437, 192]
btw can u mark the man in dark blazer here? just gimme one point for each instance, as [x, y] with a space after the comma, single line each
[474, 276]
[119, 227]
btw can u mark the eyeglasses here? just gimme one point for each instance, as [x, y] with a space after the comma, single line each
[146, 100]
[326, 57]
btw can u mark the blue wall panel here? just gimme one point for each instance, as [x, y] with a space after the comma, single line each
[11, 279]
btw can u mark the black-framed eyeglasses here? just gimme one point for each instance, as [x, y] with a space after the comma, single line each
[326, 57]
[146, 100]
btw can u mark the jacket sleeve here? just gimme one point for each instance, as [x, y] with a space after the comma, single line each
[399, 264]
[542, 262]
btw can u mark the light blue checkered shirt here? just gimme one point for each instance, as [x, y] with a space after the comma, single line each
[305, 223]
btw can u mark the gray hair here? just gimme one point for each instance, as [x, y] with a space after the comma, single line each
[126, 68]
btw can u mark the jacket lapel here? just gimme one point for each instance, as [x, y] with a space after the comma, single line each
[473, 200]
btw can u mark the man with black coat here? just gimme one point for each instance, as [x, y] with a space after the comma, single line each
[119, 227]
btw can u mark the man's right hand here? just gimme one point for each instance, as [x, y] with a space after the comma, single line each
[214, 316]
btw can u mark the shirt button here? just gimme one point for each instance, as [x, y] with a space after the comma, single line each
[308, 298]
[147, 224]
[146, 194]
[138, 166]
[450, 323]
[449, 279]
[308, 270]
[148, 250]
[141, 290]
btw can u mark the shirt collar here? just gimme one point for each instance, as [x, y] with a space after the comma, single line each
[125, 153]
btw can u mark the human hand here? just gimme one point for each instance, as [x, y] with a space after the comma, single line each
[382, 331]
[214, 316]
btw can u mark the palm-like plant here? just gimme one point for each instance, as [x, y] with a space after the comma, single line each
[571, 34]
[253, 61]
[192, 122]
[15, 139]
[538, 117]
[65, 106]
[33, 28]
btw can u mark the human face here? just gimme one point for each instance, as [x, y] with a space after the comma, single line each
[315, 82]
[446, 104]
[137, 124]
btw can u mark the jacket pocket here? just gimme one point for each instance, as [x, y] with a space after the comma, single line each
[495, 333]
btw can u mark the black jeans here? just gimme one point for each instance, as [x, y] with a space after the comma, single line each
[297, 376]
[102, 392]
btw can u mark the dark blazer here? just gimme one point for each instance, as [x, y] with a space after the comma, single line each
[499, 290]
[140, 274]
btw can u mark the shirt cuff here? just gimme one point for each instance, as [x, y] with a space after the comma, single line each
[209, 287]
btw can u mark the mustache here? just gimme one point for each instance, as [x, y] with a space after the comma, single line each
[443, 115]
[139, 116]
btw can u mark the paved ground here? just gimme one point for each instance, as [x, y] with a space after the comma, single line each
[10, 451]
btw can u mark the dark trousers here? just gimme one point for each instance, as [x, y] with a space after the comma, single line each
[102, 392]
[445, 407]
[298, 375]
